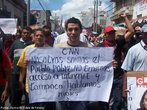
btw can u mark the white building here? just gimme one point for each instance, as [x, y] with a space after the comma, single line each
[140, 9]
[42, 17]
[87, 18]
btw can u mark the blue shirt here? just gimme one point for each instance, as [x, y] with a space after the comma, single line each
[136, 58]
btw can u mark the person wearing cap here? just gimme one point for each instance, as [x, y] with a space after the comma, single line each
[92, 38]
[136, 58]
[137, 37]
[115, 101]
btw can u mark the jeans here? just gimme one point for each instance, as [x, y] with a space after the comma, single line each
[115, 102]
[15, 91]
[41, 105]
[72, 105]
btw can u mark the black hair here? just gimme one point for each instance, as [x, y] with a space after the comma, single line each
[142, 100]
[28, 28]
[46, 27]
[40, 29]
[73, 20]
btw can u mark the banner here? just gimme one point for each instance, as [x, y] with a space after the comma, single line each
[8, 25]
[137, 86]
[70, 74]
[140, 9]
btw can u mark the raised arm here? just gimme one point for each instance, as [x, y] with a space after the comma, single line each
[130, 31]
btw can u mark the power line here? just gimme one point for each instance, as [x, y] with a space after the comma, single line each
[118, 2]
[41, 5]
[108, 6]
[43, 8]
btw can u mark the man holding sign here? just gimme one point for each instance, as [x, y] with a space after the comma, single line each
[73, 28]
[71, 73]
[136, 58]
[39, 40]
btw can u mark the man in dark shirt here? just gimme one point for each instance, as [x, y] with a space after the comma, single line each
[117, 44]
[15, 52]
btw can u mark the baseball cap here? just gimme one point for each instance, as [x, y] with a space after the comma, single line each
[144, 28]
[94, 33]
[109, 29]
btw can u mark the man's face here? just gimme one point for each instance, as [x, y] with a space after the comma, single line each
[39, 39]
[73, 32]
[110, 35]
[93, 38]
[47, 31]
[25, 35]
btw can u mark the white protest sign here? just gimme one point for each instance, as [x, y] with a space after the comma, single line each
[70, 74]
[8, 25]
[137, 86]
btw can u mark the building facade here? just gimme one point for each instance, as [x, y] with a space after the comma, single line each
[14, 9]
[88, 18]
[42, 17]
[121, 6]
[135, 9]
[140, 10]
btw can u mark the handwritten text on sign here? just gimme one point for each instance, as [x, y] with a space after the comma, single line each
[70, 74]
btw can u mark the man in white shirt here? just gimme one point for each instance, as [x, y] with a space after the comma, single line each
[63, 37]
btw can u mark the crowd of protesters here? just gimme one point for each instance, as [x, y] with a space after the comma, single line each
[130, 54]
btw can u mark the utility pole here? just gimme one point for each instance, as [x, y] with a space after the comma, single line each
[28, 13]
[55, 23]
[94, 16]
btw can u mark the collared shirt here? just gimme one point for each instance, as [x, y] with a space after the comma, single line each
[15, 52]
[22, 40]
[143, 45]
[136, 58]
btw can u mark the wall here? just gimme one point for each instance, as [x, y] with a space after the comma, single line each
[140, 9]
[14, 9]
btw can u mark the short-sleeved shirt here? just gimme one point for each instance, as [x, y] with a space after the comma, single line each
[15, 52]
[5, 63]
[136, 58]
[65, 44]
[21, 63]
[63, 38]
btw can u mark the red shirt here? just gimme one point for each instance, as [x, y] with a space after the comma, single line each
[4, 64]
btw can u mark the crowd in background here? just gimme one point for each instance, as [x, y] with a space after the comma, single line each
[121, 38]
